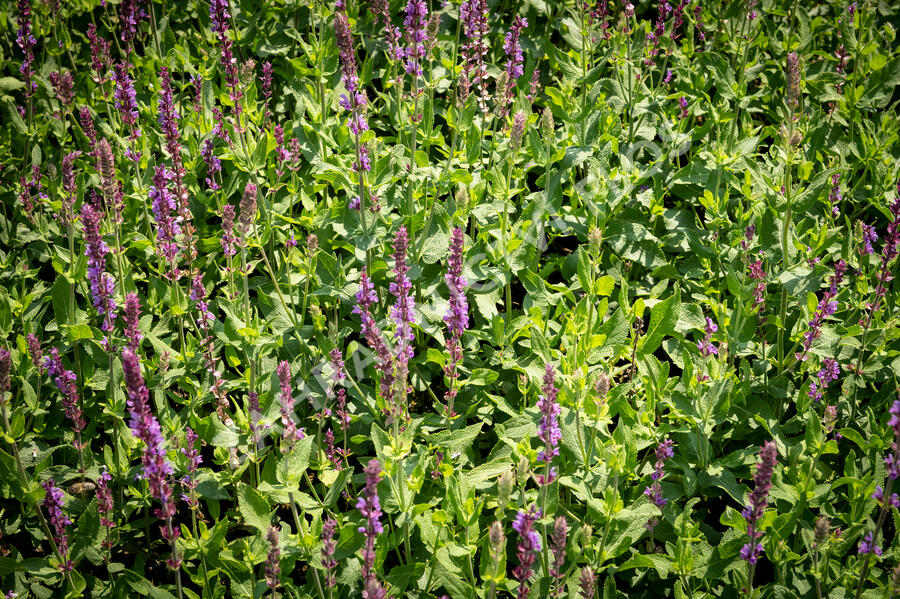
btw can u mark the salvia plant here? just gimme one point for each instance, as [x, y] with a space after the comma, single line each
[467, 299]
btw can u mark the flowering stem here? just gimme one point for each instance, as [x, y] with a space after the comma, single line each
[785, 251]
[545, 548]
[200, 546]
[882, 516]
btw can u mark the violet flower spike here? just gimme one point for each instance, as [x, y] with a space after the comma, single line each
[369, 507]
[291, 433]
[664, 451]
[103, 286]
[705, 346]
[273, 563]
[548, 430]
[168, 226]
[53, 503]
[415, 31]
[133, 332]
[457, 316]
[403, 310]
[527, 549]
[105, 503]
[474, 17]
[156, 468]
[329, 544]
[36, 353]
[759, 497]
[26, 41]
[189, 480]
[384, 359]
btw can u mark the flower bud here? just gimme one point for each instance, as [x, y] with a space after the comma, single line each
[522, 470]
[602, 385]
[496, 537]
[821, 530]
[517, 131]
[547, 125]
[792, 80]
[505, 487]
[595, 240]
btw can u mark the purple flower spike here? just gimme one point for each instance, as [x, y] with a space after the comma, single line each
[759, 497]
[291, 433]
[369, 507]
[103, 286]
[273, 564]
[53, 503]
[384, 360]
[132, 328]
[548, 429]
[705, 346]
[66, 382]
[664, 451]
[329, 526]
[168, 226]
[403, 309]
[474, 17]
[156, 468]
[415, 27]
[527, 549]
[105, 504]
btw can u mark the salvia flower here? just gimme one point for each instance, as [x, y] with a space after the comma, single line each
[474, 17]
[247, 214]
[826, 307]
[64, 86]
[273, 564]
[834, 195]
[213, 164]
[53, 504]
[100, 59]
[792, 80]
[110, 186]
[219, 18]
[558, 548]
[878, 496]
[384, 359]
[35, 351]
[759, 498]
[168, 225]
[131, 13]
[457, 316]
[329, 544]
[69, 187]
[103, 286]
[168, 120]
[867, 545]
[354, 101]
[587, 583]
[888, 253]
[87, 125]
[705, 345]
[527, 549]
[403, 310]
[228, 239]
[892, 461]
[829, 372]
[156, 468]
[869, 237]
[66, 382]
[415, 27]
[133, 332]
[189, 480]
[369, 507]
[664, 451]
[105, 504]
[548, 429]
[126, 104]
[26, 41]
[515, 61]
[291, 433]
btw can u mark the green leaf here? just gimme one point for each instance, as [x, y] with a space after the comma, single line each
[253, 507]
[663, 318]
